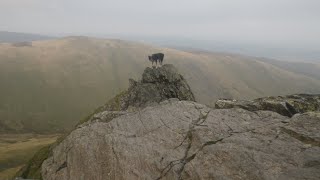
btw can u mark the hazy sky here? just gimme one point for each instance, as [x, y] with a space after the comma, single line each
[253, 21]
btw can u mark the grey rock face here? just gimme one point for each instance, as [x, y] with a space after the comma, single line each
[165, 74]
[186, 140]
[157, 84]
[284, 105]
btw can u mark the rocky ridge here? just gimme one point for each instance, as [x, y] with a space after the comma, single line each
[187, 140]
[284, 105]
[152, 132]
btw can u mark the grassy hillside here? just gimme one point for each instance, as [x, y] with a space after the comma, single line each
[16, 150]
[49, 86]
[308, 69]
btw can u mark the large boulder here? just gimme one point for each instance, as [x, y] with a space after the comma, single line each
[186, 140]
[284, 105]
[157, 84]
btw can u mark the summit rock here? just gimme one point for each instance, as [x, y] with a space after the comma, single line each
[156, 85]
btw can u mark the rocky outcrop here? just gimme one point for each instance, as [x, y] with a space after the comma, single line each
[157, 84]
[151, 132]
[186, 140]
[284, 105]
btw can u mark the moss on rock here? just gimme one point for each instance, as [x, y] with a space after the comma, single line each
[33, 168]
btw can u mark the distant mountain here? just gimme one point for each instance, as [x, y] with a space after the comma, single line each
[15, 37]
[49, 86]
[280, 51]
[305, 68]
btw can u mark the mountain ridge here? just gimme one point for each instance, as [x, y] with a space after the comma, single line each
[16, 37]
[46, 84]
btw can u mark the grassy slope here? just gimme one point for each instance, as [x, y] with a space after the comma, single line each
[17, 149]
[308, 69]
[53, 84]
[9, 173]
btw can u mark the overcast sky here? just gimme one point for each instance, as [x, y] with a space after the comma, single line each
[252, 21]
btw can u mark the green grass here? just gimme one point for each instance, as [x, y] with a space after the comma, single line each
[33, 167]
[17, 149]
[9, 173]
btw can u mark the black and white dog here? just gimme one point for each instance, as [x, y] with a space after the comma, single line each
[158, 57]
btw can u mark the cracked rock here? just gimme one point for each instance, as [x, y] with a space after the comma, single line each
[187, 140]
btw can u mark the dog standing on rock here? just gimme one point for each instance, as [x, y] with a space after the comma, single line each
[158, 57]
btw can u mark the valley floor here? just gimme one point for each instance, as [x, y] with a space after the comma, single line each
[17, 149]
